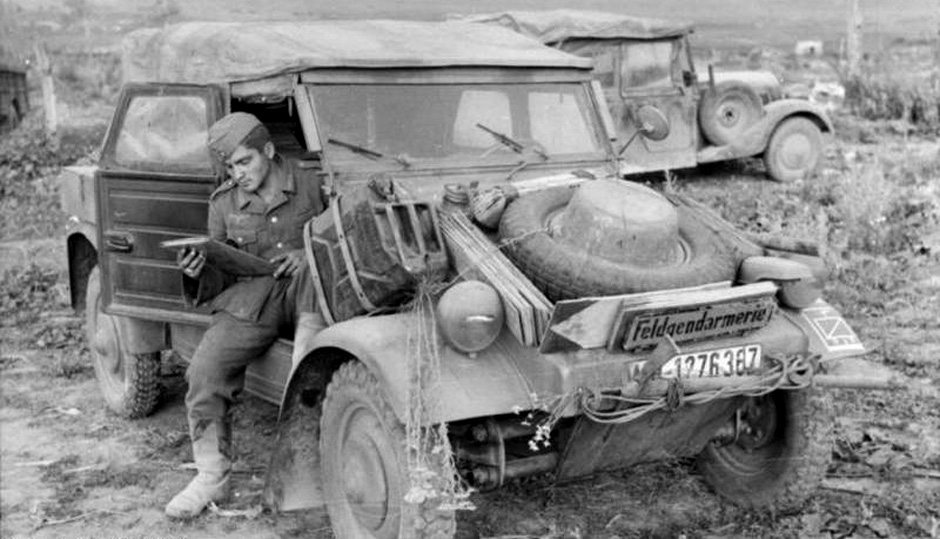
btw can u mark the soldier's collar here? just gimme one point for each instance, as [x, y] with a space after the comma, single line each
[281, 168]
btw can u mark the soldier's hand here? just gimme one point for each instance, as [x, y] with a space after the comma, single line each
[191, 262]
[290, 262]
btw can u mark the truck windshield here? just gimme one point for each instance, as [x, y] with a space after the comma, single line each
[437, 125]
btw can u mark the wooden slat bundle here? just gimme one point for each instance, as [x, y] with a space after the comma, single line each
[527, 310]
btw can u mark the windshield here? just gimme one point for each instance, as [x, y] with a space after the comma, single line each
[441, 124]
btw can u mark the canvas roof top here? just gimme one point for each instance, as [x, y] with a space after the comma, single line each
[563, 24]
[207, 52]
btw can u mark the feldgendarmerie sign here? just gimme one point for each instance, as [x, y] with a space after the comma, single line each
[641, 328]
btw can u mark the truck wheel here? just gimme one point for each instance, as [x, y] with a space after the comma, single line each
[780, 462]
[794, 150]
[728, 111]
[129, 382]
[364, 471]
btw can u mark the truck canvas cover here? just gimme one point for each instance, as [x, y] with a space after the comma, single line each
[563, 24]
[221, 52]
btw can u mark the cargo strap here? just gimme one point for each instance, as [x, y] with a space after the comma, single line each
[315, 274]
[347, 257]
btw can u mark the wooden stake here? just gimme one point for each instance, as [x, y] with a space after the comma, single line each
[44, 66]
[853, 40]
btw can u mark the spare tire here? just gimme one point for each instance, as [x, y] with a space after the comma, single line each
[564, 270]
[727, 111]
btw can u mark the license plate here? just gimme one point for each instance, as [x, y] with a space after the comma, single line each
[723, 362]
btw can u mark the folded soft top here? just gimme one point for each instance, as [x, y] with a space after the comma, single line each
[212, 52]
[563, 24]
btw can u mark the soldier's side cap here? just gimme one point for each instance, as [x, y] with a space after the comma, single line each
[230, 131]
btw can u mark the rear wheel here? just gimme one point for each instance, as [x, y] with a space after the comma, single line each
[130, 383]
[781, 454]
[365, 476]
[794, 150]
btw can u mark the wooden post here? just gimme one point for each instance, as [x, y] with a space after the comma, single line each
[853, 40]
[44, 66]
[936, 64]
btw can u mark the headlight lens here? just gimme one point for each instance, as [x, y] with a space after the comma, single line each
[470, 315]
[800, 277]
[800, 294]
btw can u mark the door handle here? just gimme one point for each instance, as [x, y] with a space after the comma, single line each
[119, 242]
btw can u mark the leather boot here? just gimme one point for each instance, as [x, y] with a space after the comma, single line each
[211, 451]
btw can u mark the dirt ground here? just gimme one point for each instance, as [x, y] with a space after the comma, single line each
[71, 469]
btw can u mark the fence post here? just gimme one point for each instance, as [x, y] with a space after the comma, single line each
[44, 66]
[853, 39]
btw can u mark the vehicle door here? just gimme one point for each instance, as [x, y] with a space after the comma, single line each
[153, 184]
[656, 73]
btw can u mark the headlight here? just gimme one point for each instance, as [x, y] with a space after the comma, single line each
[801, 293]
[799, 286]
[470, 315]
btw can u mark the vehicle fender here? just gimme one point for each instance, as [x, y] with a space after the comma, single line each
[755, 140]
[142, 336]
[498, 380]
[777, 111]
[82, 253]
[829, 334]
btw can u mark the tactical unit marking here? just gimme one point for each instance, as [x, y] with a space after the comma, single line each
[832, 329]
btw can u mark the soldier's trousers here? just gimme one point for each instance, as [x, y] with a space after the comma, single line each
[216, 372]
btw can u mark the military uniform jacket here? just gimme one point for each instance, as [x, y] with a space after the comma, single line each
[244, 220]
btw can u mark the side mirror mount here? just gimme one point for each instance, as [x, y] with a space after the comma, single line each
[650, 122]
[688, 78]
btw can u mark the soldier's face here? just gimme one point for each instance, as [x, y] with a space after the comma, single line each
[249, 167]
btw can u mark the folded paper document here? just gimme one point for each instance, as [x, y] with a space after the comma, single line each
[224, 256]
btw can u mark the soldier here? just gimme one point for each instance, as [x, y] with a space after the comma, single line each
[261, 209]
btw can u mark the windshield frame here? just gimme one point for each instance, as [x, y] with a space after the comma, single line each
[459, 77]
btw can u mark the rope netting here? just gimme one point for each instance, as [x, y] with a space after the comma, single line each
[787, 372]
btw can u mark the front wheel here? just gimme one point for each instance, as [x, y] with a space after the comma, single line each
[794, 150]
[130, 383]
[363, 464]
[781, 454]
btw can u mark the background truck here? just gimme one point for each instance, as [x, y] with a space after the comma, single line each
[667, 115]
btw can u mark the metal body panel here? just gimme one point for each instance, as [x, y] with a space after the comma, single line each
[828, 334]
[508, 377]
[77, 197]
[137, 213]
[657, 436]
[599, 368]
[678, 150]
[504, 377]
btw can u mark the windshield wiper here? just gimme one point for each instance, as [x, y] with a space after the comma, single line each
[402, 159]
[356, 148]
[512, 143]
